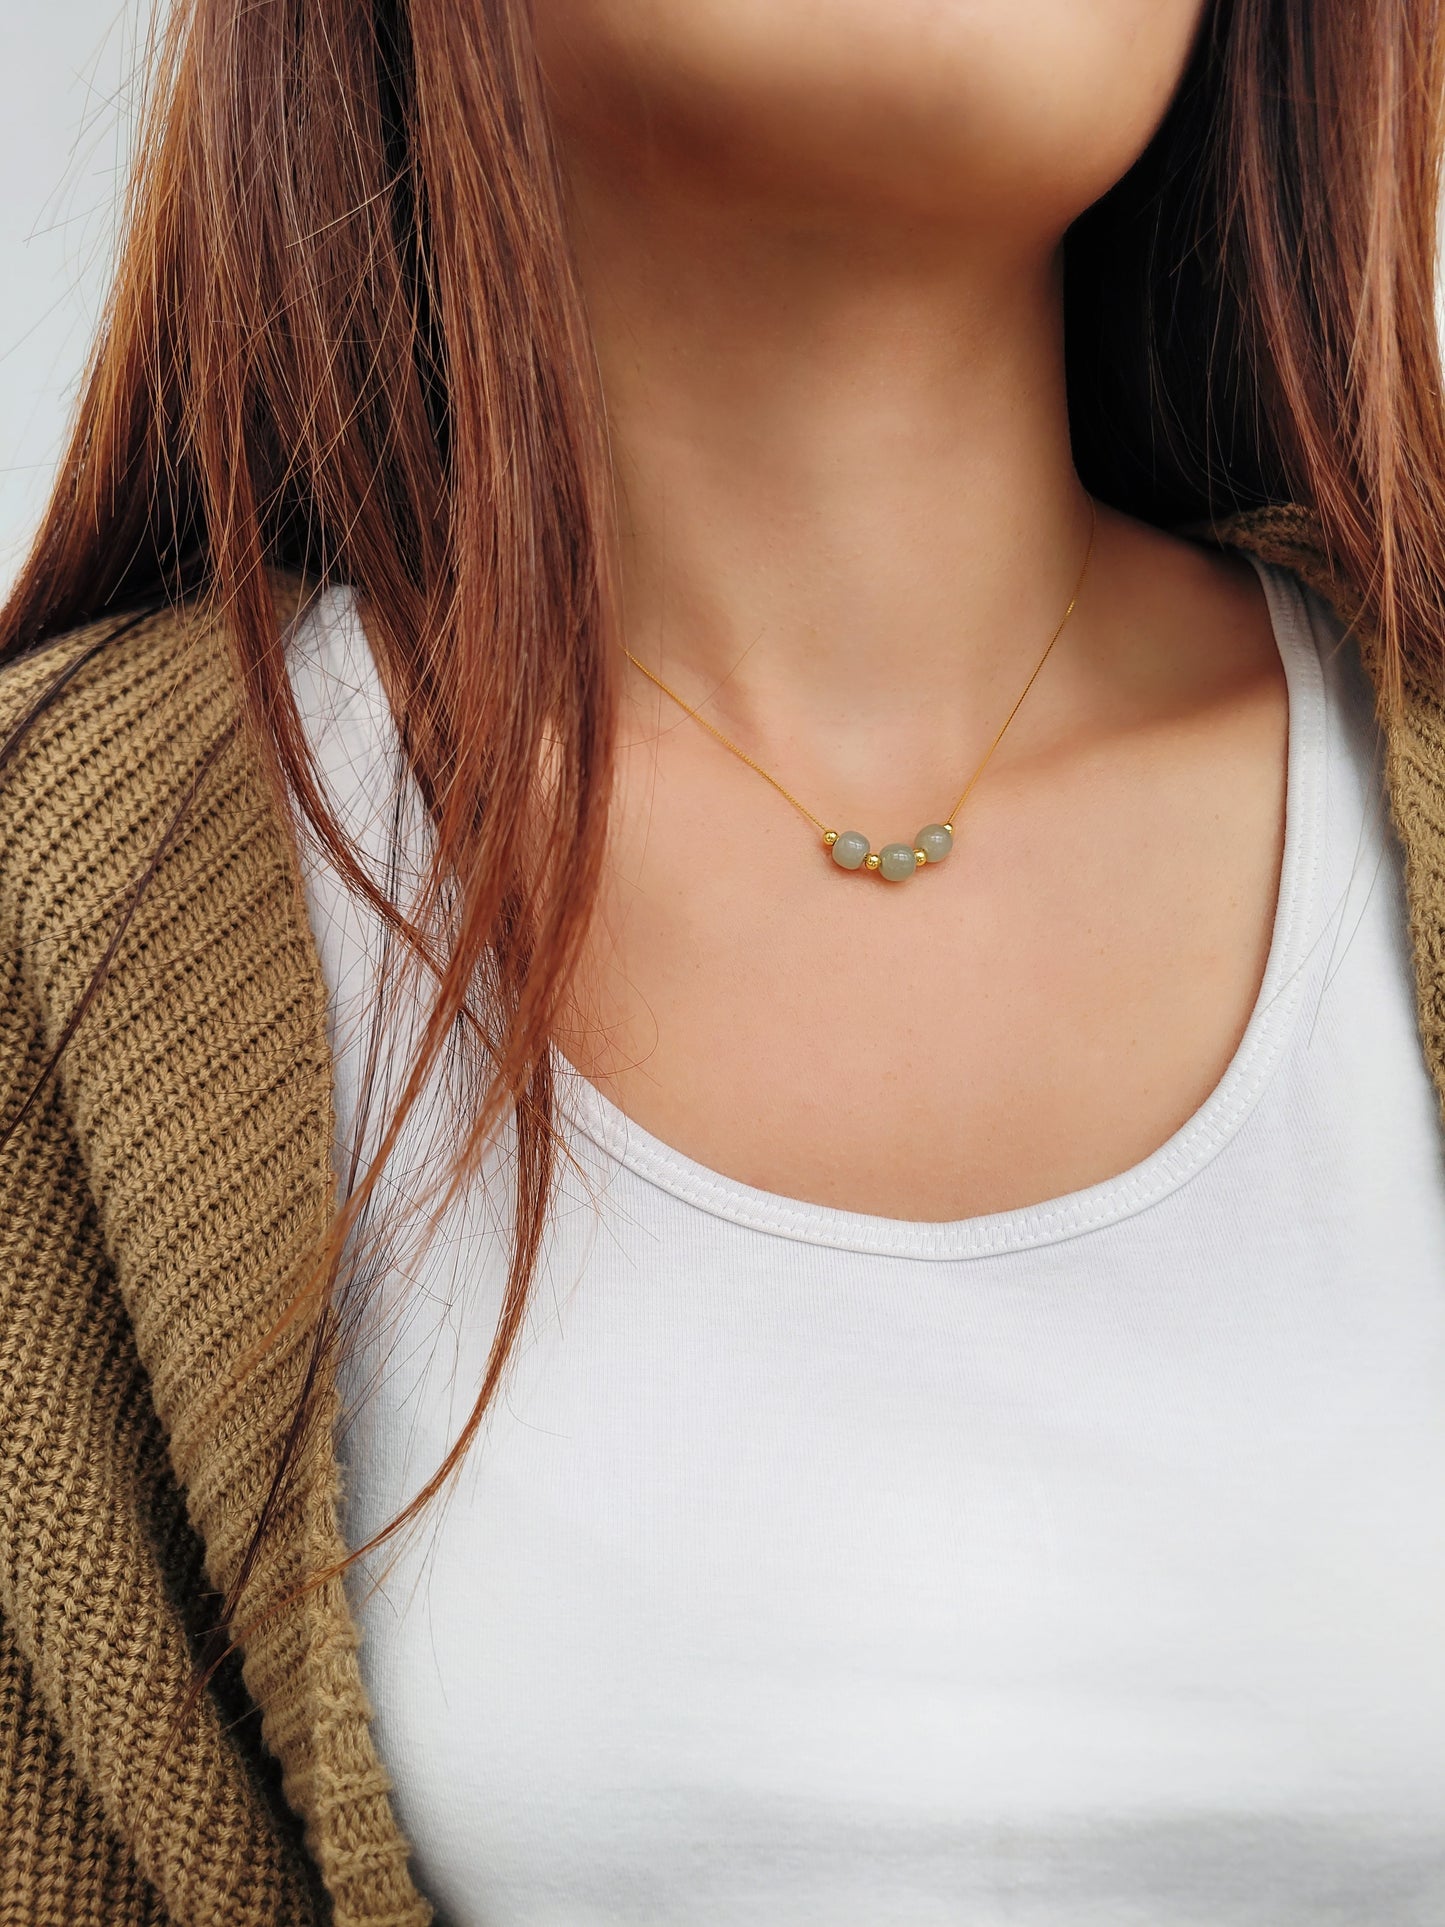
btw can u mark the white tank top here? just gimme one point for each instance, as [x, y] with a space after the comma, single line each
[1081, 1565]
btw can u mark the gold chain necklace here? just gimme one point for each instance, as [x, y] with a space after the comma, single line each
[850, 849]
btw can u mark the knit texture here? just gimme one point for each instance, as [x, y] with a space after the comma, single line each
[159, 1202]
[160, 1198]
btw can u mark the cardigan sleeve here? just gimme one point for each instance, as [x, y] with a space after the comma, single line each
[114, 1810]
[61, 1864]
[61, 1861]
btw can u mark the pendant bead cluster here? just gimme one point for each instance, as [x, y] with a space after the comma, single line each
[850, 849]
[895, 862]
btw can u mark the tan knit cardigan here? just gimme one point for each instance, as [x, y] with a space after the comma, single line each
[154, 1208]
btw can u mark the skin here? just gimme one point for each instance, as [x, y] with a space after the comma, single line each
[819, 243]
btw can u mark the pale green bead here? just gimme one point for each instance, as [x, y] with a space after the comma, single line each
[896, 861]
[850, 850]
[935, 840]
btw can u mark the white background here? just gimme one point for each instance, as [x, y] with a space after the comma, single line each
[67, 73]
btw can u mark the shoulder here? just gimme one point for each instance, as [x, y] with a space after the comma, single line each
[113, 694]
[1289, 538]
[132, 698]
[124, 756]
[96, 727]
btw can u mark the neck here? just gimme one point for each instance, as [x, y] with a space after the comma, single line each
[842, 458]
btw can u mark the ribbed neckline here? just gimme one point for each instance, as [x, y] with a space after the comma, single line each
[1143, 1184]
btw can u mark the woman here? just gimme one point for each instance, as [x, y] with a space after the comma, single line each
[909, 1359]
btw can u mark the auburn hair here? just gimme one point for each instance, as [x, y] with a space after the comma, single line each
[346, 340]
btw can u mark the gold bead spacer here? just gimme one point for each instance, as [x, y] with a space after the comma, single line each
[830, 837]
[920, 857]
[949, 828]
[872, 860]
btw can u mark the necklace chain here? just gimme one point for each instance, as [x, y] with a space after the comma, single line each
[802, 808]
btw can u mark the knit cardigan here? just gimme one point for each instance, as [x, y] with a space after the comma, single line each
[156, 1203]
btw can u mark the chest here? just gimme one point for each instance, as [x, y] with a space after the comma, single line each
[1040, 1011]
[812, 1569]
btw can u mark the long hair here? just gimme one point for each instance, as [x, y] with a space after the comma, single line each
[345, 339]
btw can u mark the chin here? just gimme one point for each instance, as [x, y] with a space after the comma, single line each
[976, 112]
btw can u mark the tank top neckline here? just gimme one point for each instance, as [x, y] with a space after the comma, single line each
[1182, 1155]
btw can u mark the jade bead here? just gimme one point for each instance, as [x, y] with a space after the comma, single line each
[896, 861]
[850, 849]
[935, 840]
